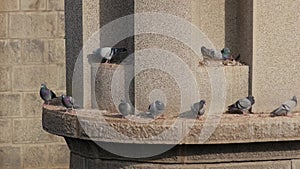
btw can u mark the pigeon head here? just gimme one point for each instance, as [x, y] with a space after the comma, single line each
[225, 51]
[160, 105]
[251, 98]
[295, 99]
[43, 86]
[63, 96]
[202, 102]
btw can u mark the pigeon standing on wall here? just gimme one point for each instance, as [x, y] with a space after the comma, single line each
[68, 102]
[46, 94]
[108, 53]
[198, 108]
[242, 105]
[156, 108]
[125, 108]
[211, 54]
[285, 108]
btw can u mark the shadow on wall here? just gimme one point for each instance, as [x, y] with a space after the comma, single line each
[239, 31]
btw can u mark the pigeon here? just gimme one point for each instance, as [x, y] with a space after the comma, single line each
[285, 108]
[226, 53]
[198, 108]
[211, 54]
[156, 108]
[46, 94]
[125, 108]
[108, 53]
[242, 105]
[68, 102]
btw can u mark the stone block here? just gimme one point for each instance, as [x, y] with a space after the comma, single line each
[30, 131]
[35, 156]
[295, 164]
[10, 157]
[6, 131]
[29, 78]
[56, 50]
[10, 52]
[12, 5]
[4, 25]
[57, 5]
[62, 77]
[5, 73]
[33, 51]
[32, 104]
[33, 4]
[253, 165]
[59, 156]
[61, 24]
[276, 37]
[10, 105]
[33, 25]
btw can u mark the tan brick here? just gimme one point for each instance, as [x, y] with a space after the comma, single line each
[11, 5]
[5, 76]
[5, 131]
[33, 4]
[35, 156]
[10, 105]
[59, 156]
[62, 77]
[10, 157]
[33, 51]
[32, 105]
[28, 25]
[3, 23]
[61, 24]
[295, 164]
[10, 52]
[57, 5]
[30, 131]
[253, 165]
[29, 78]
[56, 51]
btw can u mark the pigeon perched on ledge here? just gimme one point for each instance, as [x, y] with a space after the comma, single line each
[68, 102]
[198, 108]
[285, 108]
[46, 94]
[211, 54]
[155, 109]
[125, 108]
[226, 54]
[108, 53]
[242, 105]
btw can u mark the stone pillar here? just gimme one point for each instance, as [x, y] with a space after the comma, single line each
[276, 62]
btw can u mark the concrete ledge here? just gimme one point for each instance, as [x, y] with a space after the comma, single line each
[99, 126]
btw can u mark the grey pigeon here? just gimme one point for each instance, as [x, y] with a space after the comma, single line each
[198, 108]
[125, 108]
[211, 54]
[285, 108]
[242, 105]
[226, 53]
[46, 94]
[108, 53]
[68, 102]
[156, 108]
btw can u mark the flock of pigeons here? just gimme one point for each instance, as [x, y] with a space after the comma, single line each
[155, 109]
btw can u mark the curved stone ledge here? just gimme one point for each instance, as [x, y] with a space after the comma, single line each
[89, 125]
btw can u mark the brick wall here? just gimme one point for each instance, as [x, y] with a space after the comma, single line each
[32, 51]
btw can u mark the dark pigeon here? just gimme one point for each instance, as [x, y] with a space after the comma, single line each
[46, 94]
[242, 105]
[68, 102]
[108, 53]
[156, 108]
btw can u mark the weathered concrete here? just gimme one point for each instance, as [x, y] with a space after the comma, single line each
[231, 128]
